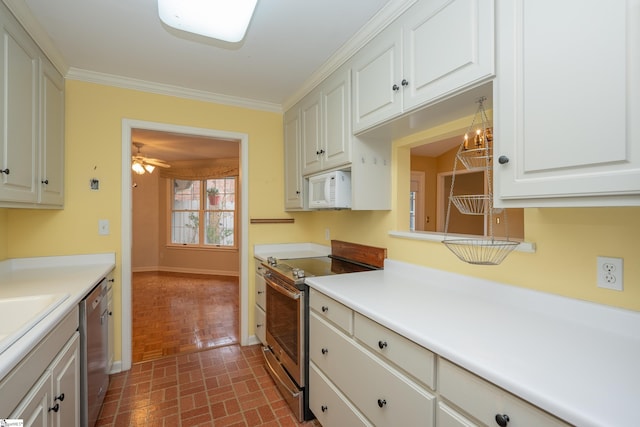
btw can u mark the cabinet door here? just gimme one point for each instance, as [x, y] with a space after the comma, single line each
[311, 133]
[292, 172]
[336, 104]
[66, 385]
[51, 180]
[19, 118]
[566, 104]
[377, 75]
[34, 408]
[434, 69]
[261, 324]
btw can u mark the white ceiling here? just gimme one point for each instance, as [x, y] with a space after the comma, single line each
[287, 40]
[288, 44]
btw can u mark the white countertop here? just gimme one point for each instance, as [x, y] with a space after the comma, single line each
[290, 251]
[73, 275]
[575, 359]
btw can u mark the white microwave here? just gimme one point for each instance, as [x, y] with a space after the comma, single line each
[331, 190]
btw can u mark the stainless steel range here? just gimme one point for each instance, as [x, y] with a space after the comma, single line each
[287, 295]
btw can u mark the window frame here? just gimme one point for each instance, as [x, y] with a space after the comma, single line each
[202, 211]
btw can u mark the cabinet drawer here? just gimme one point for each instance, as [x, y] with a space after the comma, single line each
[448, 417]
[331, 310]
[411, 357]
[261, 287]
[484, 400]
[260, 318]
[329, 406]
[382, 394]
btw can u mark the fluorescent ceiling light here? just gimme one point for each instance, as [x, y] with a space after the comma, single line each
[220, 19]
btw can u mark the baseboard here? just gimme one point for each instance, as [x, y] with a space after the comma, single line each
[253, 340]
[185, 270]
[116, 367]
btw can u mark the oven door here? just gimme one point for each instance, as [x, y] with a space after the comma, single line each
[285, 326]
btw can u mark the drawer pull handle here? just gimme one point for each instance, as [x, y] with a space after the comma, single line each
[55, 408]
[325, 350]
[382, 344]
[323, 408]
[502, 420]
[325, 308]
[382, 403]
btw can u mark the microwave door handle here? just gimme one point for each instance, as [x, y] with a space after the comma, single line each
[283, 291]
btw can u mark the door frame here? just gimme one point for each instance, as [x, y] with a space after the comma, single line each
[127, 228]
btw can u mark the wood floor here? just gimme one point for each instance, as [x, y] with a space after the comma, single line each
[189, 369]
[182, 313]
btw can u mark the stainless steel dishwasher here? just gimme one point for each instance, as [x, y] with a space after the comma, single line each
[94, 378]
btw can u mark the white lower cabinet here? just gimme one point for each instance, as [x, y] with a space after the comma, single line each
[329, 405]
[362, 373]
[375, 388]
[486, 402]
[260, 308]
[44, 389]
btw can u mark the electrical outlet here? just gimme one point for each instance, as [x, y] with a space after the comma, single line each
[610, 273]
[327, 234]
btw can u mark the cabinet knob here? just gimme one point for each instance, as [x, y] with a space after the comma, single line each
[5, 171]
[502, 420]
[382, 403]
[259, 325]
[321, 151]
[382, 344]
[323, 408]
[325, 308]
[297, 192]
[260, 292]
[60, 398]
[55, 408]
[404, 82]
[503, 160]
[395, 88]
[45, 181]
[325, 350]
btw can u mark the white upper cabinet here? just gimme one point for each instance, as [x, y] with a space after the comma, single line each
[52, 136]
[31, 122]
[19, 119]
[325, 124]
[336, 112]
[292, 174]
[434, 50]
[566, 103]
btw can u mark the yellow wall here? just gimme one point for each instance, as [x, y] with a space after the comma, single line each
[93, 147]
[568, 240]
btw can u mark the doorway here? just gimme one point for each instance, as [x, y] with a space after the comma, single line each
[127, 220]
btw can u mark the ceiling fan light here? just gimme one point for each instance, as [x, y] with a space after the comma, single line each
[149, 168]
[226, 20]
[137, 168]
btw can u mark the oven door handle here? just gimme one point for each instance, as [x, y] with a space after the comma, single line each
[283, 291]
[267, 356]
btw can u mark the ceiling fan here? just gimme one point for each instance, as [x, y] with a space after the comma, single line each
[140, 163]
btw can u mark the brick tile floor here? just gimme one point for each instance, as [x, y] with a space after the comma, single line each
[224, 386]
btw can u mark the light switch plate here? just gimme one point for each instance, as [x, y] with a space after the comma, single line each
[103, 227]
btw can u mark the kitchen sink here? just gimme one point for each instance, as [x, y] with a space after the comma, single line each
[18, 315]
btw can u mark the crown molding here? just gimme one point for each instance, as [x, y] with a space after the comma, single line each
[389, 13]
[164, 89]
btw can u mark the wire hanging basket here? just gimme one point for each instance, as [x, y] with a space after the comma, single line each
[481, 251]
[476, 154]
[475, 158]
